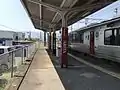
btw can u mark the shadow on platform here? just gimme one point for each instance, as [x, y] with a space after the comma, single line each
[79, 76]
[69, 76]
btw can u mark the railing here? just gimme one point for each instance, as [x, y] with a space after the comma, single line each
[12, 61]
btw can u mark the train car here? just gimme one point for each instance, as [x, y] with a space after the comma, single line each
[101, 39]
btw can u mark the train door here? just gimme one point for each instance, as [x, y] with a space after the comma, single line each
[92, 49]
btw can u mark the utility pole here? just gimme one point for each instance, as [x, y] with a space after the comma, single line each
[29, 35]
[71, 32]
[40, 39]
[86, 21]
[116, 12]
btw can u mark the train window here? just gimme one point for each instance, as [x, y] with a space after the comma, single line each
[10, 49]
[117, 40]
[112, 37]
[1, 51]
[70, 37]
[81, 38]
[97, 34]
[109, 38]
[88, 37]
[75, 37]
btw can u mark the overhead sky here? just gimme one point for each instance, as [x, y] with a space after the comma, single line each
[12, 14]
[106, 13]
[14, 17]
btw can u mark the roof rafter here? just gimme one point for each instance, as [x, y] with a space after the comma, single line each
[69, 10]
[37, 19]
[51, 25]
[52, 7]
[62, 4]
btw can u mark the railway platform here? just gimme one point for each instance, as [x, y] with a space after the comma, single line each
[45, 73]
[41, 74]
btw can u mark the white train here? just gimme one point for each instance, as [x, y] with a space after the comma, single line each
[101, 40]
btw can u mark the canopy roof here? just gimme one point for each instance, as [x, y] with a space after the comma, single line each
[45, 13]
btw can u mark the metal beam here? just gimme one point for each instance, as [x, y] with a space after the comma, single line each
[47, 22]
[76, 9]
[42, 28]
[37, 19]
[75, 1]
[62, 4]
[40, 8]
[51, 7]
[52, 26]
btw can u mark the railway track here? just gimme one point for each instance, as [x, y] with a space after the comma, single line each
[106, 66]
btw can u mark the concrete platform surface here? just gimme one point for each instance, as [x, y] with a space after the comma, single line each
[41, 74]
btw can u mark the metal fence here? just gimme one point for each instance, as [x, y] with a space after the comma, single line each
[11, 62]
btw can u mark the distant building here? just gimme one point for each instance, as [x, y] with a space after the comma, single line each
[18, 36]
[7, 37]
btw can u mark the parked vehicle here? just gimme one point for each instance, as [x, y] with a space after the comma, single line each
[21, 50]
[6, 57]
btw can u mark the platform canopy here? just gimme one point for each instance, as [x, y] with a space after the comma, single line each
[45, 14]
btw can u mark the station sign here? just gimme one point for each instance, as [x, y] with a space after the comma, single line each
[64, 46]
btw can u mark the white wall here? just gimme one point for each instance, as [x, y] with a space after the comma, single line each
[8, 43]
[6, 34]
[20, 35]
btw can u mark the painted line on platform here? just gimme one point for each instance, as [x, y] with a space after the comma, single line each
[71, 66]
[96, 67]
